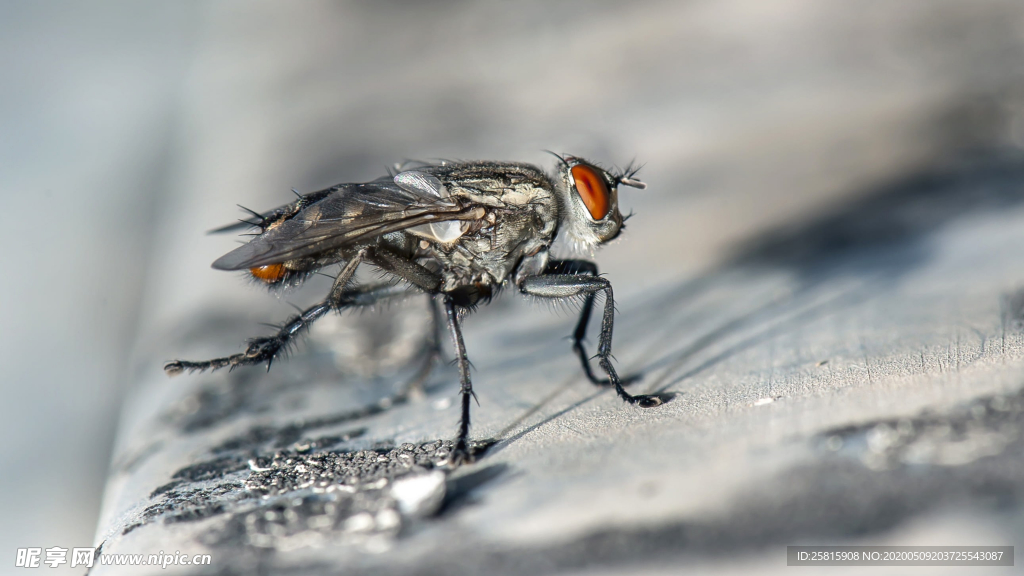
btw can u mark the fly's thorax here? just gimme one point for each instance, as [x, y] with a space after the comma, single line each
[492, 248]
[519, 219]
[499, 188]
[589, 203]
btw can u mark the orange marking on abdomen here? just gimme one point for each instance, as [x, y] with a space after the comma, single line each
[270, 273]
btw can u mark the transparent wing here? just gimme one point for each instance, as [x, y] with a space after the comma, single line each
[348, 214]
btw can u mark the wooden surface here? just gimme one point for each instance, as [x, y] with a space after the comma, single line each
[825, 272]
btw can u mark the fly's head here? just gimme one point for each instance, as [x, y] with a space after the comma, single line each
[590, 200]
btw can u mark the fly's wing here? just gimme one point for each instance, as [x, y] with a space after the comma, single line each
[348, 214]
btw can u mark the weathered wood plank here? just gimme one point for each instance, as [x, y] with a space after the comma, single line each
[838, 319]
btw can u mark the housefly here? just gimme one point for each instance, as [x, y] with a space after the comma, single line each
[457, 231]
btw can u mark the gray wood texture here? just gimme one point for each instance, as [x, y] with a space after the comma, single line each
[826, 271]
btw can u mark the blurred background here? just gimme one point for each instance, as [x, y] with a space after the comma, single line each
[128, 129]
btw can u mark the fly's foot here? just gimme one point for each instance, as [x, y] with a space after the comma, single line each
[178, 366]
[174, 368]
[651, 400]
[469, 452]
[646, 401]
[466, 452]
[259, 350]
[460, 455]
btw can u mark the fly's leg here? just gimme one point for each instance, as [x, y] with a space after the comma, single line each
[266, 348]
[569, 286]
[406, 269]
[362, 296]
[430, 282]
[461, 452]
[584, 267]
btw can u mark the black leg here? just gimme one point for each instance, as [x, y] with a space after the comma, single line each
[405, 268]
[361, 296]
[584, 267]
[569, 286]
[461, 453]
[267, 348]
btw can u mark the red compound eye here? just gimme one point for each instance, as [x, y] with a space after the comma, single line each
[593, 189]
[270, 273]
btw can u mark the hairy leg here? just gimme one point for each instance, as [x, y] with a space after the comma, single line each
[266, 348]
[577, 268]
[571, 285]
[461, 452]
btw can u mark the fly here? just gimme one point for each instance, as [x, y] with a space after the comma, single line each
[457, 231]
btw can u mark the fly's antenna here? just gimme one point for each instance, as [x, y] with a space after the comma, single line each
[627, 176]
